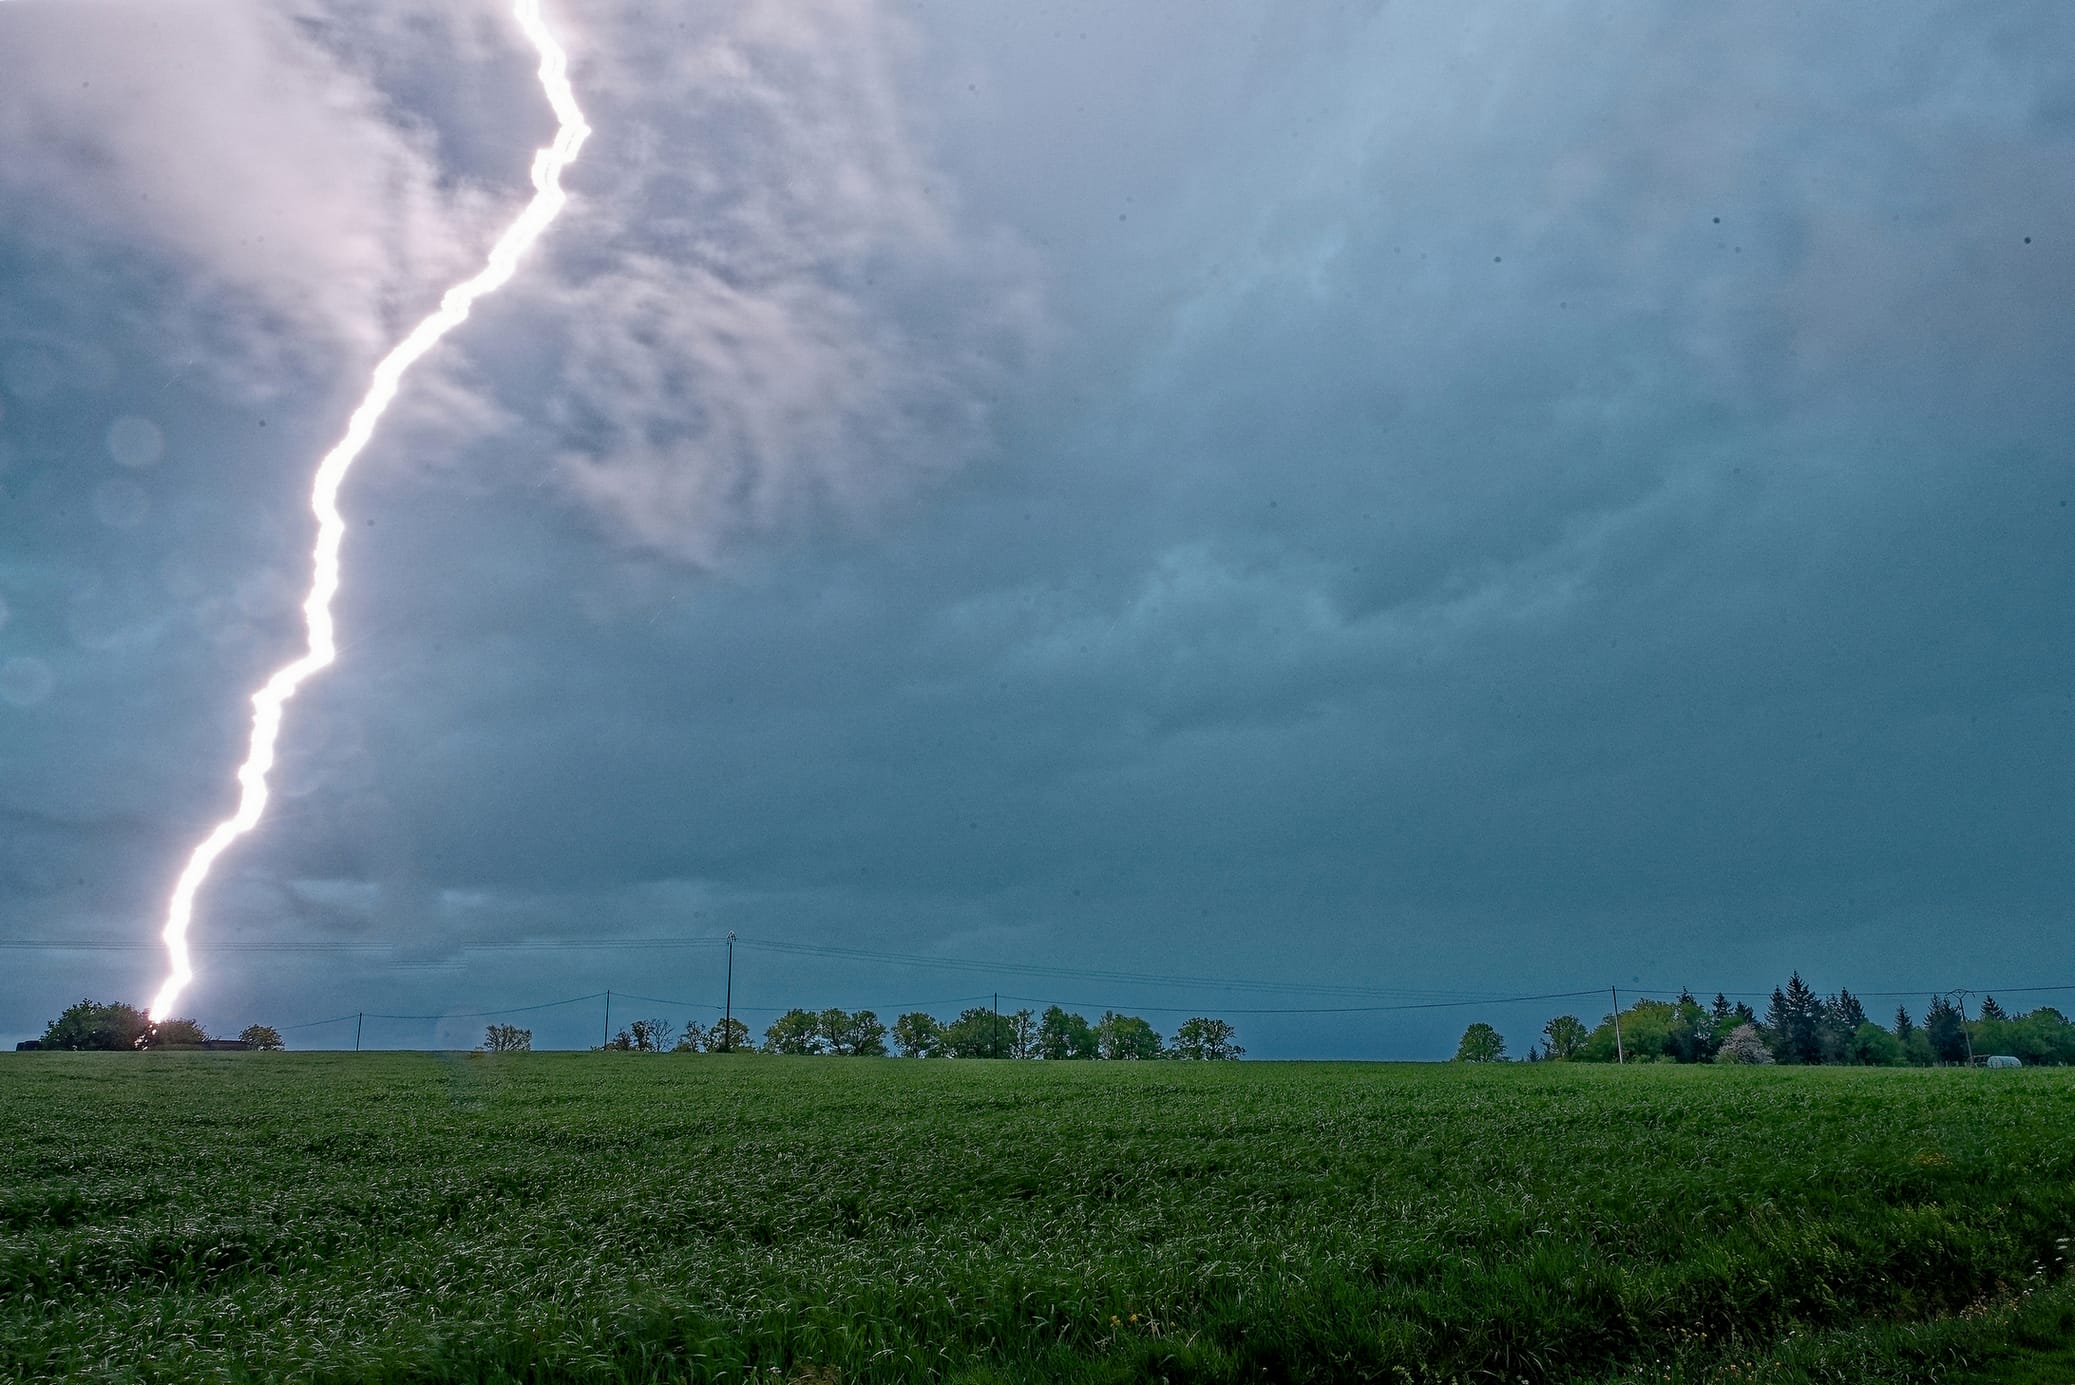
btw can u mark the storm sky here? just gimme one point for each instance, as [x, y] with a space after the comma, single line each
[1412, 501]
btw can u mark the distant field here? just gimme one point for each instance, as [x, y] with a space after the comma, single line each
[343, 1217]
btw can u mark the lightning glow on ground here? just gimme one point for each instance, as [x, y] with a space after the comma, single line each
[268, 702]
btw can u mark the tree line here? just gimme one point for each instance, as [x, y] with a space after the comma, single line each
[118, 1027]
[1798, 1027]
[980, 1032]
[1057, 1034]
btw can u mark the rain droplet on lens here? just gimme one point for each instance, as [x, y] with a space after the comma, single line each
[135, 442]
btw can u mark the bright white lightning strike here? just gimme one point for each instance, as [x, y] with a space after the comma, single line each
[268, 702]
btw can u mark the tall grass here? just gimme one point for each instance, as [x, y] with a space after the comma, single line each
[597, 1217]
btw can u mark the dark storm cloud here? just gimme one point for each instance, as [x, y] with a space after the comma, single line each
[1498, 503]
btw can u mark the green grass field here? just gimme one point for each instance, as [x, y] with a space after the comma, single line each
[600, 1217]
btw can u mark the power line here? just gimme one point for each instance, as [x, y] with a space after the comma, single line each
[313, 1024]
[1308, 1009]
[487, 1014]
[913, 959]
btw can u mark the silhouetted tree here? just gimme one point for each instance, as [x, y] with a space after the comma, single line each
[730, 1035]
[181, 1033]
[92, 1025]
[263, 1037]
[1992, 1011]
[507, 1038]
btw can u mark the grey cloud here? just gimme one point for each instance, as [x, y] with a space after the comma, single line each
[301, 216]
[776, 313]
[1421, 546]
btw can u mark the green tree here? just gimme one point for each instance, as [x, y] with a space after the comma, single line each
[830, 1027]
[1946, 1031]
[867, 1035]
[1916, 1049]
[1064, 1035]
[795, 1032]
[852, 1036]
[1564, 1037]
[1690, 1037]
[1797, 1022]
[263, 1037]
[1023, 1024]
[2055, 1036]
[979, 1033]
[1126, 1038]
[1991, 1011]
[92, 1025]
[1874, 1047]
[1481, 1044]
[1645, 1034]
[1904, 1026]
[692, 1039]
[1205, 1038]
[918, 1035]
[729, 1036]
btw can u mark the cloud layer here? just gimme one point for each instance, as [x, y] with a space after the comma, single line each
[1429, 495]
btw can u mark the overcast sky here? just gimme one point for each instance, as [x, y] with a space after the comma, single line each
[1412, 501]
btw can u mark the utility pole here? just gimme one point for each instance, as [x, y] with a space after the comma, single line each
[357, 1021]
[607, 1039]
[1963, 1027]
[1620, 1054]
[728, 1001]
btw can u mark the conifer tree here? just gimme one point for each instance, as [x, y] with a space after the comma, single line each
[1946, 1031]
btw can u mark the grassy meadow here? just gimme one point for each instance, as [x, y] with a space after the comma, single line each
[598, 1217]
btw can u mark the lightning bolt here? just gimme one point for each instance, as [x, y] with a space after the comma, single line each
[273, 696]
